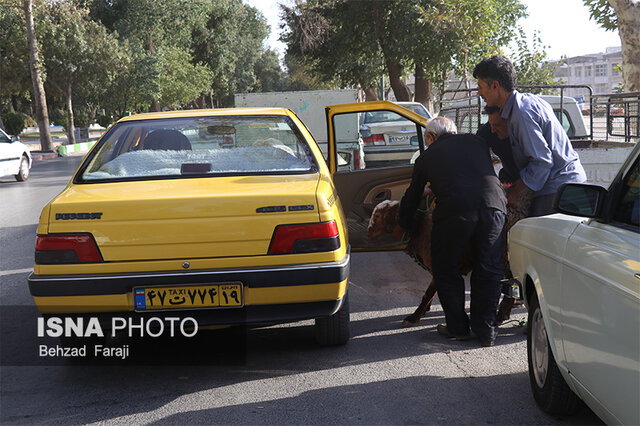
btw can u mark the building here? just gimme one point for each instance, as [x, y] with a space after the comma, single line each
[600, 71]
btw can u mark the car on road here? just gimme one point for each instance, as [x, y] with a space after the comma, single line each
[580, 272]
[228, 216]
[389, 138]
[15, 158]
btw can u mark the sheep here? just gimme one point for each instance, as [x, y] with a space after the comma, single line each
[384, 219]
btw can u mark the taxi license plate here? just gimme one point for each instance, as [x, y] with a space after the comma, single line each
[226, 295]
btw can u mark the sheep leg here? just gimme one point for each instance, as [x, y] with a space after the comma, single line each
[504, 310]
[425, 305]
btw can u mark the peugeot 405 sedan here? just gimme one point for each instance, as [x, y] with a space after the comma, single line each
[580, 272]
[390, 139]
[15, 158]
[228, 216]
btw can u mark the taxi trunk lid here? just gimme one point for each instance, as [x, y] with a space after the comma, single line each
[185, 218]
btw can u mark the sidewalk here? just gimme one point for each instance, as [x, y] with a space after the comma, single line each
[60, 149]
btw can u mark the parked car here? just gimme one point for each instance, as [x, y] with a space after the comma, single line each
[389, 138]
[580, 272]
[15, 158]
[226, 216]
[468, 114]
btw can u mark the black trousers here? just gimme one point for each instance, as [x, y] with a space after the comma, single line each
[483, 229]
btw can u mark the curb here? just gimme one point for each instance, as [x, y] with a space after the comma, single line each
[36, 156]
[78, 147]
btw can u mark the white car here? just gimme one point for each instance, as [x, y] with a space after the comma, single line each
[389, 139]
[15, 158]
[580, 273]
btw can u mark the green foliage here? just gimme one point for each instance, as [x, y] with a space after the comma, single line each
[14, 122]
[354, 41]
[104, 120]
[229, 42]
[530, 61]
[58, 116]
[603, 13]
[136, 85]
[180, 81]
[83, 117]
[269, 75]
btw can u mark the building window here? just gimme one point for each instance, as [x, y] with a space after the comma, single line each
[614, 69]
[587, 71]
[577, 72]
[601, 70]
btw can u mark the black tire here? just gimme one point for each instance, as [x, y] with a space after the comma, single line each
[550, 390]
[23, 173]
[334, 330]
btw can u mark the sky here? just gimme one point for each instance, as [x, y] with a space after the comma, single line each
[563, 25]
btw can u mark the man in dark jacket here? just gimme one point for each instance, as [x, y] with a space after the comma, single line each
[470, 208]
[495, 133]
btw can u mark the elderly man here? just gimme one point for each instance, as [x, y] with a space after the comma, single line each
[541, 148]
[470, 208]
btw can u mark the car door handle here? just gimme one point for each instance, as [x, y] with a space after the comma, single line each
[637, 276]
[381, 196]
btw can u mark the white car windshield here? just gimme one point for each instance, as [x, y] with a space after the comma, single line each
[199, 146]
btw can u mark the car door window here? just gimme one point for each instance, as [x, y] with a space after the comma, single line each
[375, 139]
[4, 138]
[627, 211]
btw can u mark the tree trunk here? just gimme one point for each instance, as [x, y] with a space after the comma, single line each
[370, 93]
[1, 123]
[400, 89]
[39, 97]
[71, 137]
[628, 13]
[424, 88]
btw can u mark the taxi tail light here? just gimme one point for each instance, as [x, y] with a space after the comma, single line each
[66, 248]
[377, 139]
[305, 238]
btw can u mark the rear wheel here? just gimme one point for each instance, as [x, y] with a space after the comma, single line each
[550, 390]
[334, 330]
[23, 173]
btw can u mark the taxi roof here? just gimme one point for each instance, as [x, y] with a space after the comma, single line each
[206, 112]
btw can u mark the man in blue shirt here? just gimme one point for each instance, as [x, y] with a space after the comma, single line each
[541, 148]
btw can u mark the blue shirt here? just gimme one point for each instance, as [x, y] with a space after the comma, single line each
[541, 148]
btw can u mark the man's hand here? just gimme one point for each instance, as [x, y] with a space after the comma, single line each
[513, 193]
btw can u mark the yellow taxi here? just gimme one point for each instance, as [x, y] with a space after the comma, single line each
[228, 216]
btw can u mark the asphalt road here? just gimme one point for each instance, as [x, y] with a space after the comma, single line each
[273, 375]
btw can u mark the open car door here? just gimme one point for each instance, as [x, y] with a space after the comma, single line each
[372, 148]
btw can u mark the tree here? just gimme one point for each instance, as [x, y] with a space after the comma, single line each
[269, 75]
[15, 81]
[623, 15]
[229, 42]
[158, 28]
[357, 41]
[530, 61]
[181, 81]
[80, 55]
[40, 99]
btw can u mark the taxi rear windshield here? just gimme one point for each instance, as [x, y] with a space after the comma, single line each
[199, 146]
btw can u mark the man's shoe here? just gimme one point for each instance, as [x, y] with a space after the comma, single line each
[442, 329]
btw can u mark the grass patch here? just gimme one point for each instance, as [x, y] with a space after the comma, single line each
[36, 136]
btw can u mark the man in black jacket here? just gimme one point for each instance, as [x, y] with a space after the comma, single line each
[470, 208]
[495, 133]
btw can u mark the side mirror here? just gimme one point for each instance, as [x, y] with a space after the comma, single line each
[15, 138]
[580, 199]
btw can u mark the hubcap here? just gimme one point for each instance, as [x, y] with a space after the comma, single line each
[539, 349]
[24, 168]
